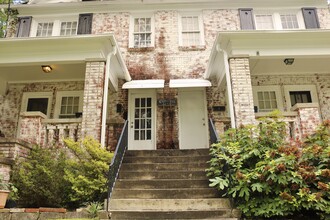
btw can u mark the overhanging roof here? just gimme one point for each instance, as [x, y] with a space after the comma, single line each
[72, 49]
[264, 45]
[189, 83]
[144, 84]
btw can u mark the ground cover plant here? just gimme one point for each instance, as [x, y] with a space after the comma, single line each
[268, 177]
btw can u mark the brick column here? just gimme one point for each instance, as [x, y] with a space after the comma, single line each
[308, 117]
[32, 129]
[93, 100]
[242, 91]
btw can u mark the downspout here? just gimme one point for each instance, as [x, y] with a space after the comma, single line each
[229, 88]
[105, 95]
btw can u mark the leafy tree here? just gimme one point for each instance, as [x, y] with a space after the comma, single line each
[268, 177]
[8, 16]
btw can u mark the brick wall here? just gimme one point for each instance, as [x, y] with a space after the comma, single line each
[242, 91]
[10, 103]
[93, 100]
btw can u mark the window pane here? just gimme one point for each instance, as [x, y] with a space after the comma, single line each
[37, 104]
[69, 106]
[264, 22]
[142, 32]
[267, 101]
[44, 29]
[289, 21]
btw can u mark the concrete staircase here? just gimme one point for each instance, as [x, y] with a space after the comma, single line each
[167, 184]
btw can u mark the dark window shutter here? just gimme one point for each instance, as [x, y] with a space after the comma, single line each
[246, 18]
[85, 24]
[23, 26]
[310, 17]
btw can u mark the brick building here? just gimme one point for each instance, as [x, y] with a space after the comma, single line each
[81, 68]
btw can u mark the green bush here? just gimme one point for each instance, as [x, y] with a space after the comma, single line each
[87, 170]
[268, 177]
[39, 179]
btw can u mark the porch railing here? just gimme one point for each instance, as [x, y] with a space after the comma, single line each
[116, 161]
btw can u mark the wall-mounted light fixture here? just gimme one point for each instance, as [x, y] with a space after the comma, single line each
[46, 68]
[288, 61]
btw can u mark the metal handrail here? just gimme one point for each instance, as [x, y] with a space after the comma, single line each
[117, 161]
[214, 137]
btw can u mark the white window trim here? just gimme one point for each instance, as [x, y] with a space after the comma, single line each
[201, 27]
[277, 91]
[56, 23]
[131, 28]
[276, 15]
[292, 88]
[61, 94]
[28, 95]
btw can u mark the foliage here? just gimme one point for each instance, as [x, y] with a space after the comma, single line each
[8, 18]
[87, 170]
[39, 179]
[93, 208]
[268, 177]
[3, 184]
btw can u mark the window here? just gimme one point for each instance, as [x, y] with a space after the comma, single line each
[269, 20]
[300, 97]
[264, 22]
[45, 27]
[300, 94]
[267, 98]
[191, 31]
[68, 104]
[37, 101]
[142, 32]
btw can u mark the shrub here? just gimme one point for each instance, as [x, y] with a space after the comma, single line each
[40, 178]
[268, 177]
[87, 170]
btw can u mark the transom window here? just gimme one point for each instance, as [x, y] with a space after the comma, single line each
[191, 30]
[68, 104]
[269, 20]
[45, 27]
[142, 32]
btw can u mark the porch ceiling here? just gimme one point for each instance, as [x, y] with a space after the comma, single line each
[267, 50]
[21, 58]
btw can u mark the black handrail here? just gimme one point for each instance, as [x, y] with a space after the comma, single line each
[117, 160]
[214, 137]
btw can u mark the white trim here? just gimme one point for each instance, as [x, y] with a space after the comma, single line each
[131, 27]
[144, 84]
[201, 26]
[291, 88]
[276, 89]
[61, 94]
[189, 83]
[28, 95]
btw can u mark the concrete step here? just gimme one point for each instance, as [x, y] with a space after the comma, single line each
[161, 184]
[182, 193]
[200, 175]
[188, 214]
[166, 159]
[169, 152]
[164, 167]
[169, 204]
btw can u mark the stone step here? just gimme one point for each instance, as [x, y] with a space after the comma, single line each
[164, 167]
[161, 184]
[168, 152]
[200, 175]
[223, 214]
[181, 193]
[166, 159]
[169, 204]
